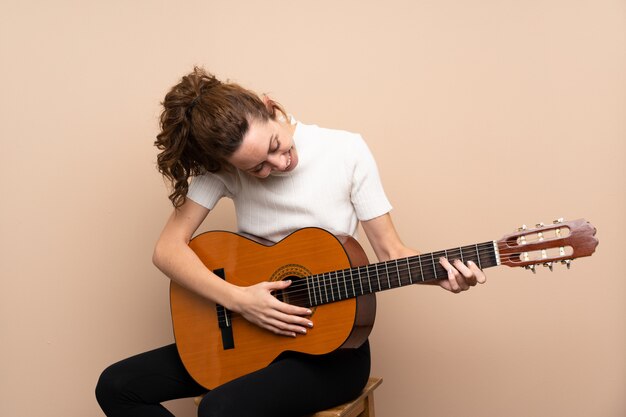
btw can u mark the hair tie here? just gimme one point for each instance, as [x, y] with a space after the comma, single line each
[195, 101]
[193, 104]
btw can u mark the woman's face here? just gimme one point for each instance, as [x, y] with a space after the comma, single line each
[267, 147]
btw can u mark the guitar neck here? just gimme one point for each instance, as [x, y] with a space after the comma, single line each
[348, 283]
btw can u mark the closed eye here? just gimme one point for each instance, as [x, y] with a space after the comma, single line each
[276, 146]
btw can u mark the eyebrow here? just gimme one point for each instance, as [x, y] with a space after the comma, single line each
[269, 150]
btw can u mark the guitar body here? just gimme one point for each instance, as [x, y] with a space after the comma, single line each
[244, 262]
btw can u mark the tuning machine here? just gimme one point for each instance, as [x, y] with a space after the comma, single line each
[567, 262]
[548, 265]
[531, 267]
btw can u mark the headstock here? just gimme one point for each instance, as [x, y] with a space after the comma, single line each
[546, 244]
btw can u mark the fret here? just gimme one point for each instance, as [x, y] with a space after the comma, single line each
[319, 289]
[349, 281]
[369, 281]
[387, 274]
[478, 257]
[349, 284]
[461, 252]
[339, 277]
[469, 254]
[308, 289]
[398, 271]
[408, 268]
[419, 258]
[315, 286]
[325, 287]
[311, 290]
[445, 252]
[432, 257]
[361, 276]
[332, 292]
[345, 285]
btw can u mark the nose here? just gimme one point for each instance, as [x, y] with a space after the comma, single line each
[279, 162]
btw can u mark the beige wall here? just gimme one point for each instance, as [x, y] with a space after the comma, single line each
[482, 115]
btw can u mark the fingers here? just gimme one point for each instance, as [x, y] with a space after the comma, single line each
[266, 311]
[478, 273]
[461, 276]
[284, 307]
[283, 324]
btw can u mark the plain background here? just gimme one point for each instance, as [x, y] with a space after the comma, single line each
[482, 115]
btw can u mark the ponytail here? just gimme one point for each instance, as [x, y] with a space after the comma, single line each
[203, 122]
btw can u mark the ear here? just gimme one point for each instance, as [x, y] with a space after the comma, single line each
[272, 107]
[267, 101]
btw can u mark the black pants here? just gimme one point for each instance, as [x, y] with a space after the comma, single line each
[293, 385]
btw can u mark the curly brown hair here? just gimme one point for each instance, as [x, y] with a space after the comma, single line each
[203, 122]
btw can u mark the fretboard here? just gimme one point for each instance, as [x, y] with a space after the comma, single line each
[340, 285]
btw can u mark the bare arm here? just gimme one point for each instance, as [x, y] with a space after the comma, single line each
[387, 245]
[175, 259]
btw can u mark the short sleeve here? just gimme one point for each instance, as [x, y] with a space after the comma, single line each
[208, 189]
[367, 193]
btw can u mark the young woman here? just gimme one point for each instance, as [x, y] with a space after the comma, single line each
[282, 175]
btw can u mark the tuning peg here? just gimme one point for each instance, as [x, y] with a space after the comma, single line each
[531, 267]
[567, 262]
[521, 228]
[540, 225]
[548, 265]
[559, 220]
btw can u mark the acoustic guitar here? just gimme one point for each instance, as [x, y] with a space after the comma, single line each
[332, 277]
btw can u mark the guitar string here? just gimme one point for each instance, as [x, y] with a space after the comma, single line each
[326, 280]
[335, 283]
[424, 261]
[334, 279]
[412, 261]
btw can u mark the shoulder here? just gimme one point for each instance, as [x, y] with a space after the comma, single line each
[310, 130]
[314, 136]
[223, 183]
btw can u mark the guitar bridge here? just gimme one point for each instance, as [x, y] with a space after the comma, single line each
[224, 319]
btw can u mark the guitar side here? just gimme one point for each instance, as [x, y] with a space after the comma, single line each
[245, 262]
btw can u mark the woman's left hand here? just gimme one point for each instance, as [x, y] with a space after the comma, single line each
[461, 276]
[387, 245]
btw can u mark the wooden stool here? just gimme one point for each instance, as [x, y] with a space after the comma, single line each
[362, 406]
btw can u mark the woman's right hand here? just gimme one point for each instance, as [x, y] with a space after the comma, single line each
[257, 305]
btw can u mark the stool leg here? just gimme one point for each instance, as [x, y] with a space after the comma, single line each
[370, 410]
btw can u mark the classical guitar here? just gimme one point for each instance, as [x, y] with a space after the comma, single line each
[332, 277]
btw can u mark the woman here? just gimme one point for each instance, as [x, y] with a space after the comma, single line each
[282, 175]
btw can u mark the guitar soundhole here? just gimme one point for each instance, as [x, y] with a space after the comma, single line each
[296, 294]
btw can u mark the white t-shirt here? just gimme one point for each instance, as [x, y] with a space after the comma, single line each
[335, 184]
